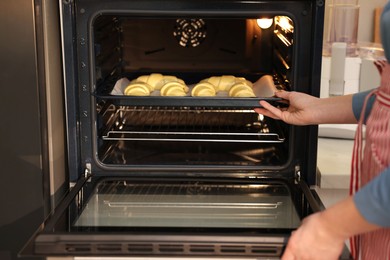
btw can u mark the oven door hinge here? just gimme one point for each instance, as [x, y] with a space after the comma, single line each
[88, 171]
[297, 176]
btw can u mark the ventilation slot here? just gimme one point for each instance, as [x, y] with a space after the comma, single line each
[171, 248]
[232, 249]
[199, 249]
[109, 248]
[140, 248]
[74, 248]
[264, 250]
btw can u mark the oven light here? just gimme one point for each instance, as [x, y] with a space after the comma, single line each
[264, 23]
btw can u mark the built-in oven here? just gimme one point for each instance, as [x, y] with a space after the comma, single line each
[166, 156]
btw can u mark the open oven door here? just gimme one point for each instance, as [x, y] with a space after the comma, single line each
[168, 217]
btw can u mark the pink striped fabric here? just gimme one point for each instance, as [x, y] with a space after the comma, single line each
[368, 164]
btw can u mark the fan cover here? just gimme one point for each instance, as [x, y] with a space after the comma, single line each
[190, 32]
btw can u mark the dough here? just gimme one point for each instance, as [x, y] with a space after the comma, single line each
[214, 81]
[145, 79]
[174, 88]
[203, 89]
[137, 88]
[154, 79]
[241, 89]
[226, 82]
[167, 79]
[234, 86]
[168, 85]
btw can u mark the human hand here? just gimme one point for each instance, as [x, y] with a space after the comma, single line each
[315, 239]
[380, 64]
[302, 109]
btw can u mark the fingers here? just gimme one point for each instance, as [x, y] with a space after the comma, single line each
[283, 94]
[288, 252]
[288, 255]
[265, 112]
[270, 110]
[379, 64]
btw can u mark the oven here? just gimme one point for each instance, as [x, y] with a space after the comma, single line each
[166, 156]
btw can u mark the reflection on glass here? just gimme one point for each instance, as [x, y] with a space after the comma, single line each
[192, 205]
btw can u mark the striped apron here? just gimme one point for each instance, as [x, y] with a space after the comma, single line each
[369, 163]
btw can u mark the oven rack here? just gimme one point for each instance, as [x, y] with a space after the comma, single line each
[194, 137]
[165, 124]
[152, 195]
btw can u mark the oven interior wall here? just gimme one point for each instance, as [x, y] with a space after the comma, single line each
[209, 45]
[190, 49]
[198, 47]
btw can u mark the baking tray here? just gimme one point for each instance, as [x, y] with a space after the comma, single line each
[263, 88]
[158, 101]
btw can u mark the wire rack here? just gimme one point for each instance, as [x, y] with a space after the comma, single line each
[188, 125]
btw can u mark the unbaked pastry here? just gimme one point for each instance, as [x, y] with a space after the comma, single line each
[241, 89]
[234, 86]
[168, 85]
[137, 88]
[226, 82]
[152, 79]
[174, 88]
[203, 89]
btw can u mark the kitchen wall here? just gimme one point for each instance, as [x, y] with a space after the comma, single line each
[366, 21]
[366, 18]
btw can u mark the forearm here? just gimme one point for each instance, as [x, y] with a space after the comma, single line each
[344, 220]
[304, 109]
[373, 200]
[334, 110]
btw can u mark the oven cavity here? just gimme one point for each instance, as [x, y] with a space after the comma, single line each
[147, 128]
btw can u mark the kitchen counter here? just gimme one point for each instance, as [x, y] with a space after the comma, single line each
[334, 162]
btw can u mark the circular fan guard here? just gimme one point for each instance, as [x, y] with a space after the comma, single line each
[190, 32]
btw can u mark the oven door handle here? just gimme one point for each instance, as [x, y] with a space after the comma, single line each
[314, 203]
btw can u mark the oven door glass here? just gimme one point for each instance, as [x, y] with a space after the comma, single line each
[172, 216]
[188, 204]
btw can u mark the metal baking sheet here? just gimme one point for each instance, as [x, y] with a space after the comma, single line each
[120, 204]
[264, 89]
[189, 101]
